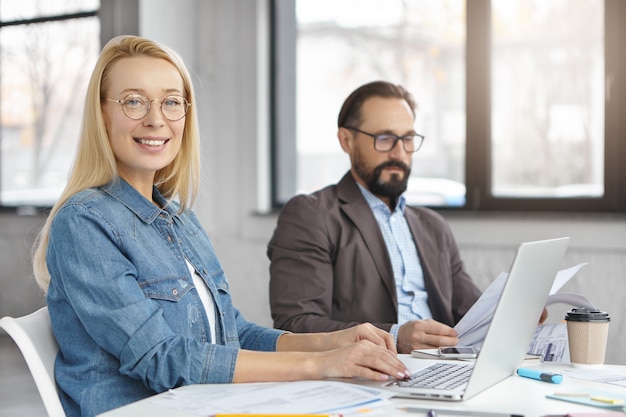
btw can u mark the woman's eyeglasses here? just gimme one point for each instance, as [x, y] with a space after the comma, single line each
[137, 106]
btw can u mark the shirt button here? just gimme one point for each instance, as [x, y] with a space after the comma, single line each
[174, 292]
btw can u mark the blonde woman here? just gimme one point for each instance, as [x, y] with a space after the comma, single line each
[138, 300]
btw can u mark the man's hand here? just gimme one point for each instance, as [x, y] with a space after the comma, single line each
[544, 316]
[425, 334]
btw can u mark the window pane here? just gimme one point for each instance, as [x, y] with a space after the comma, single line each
[30, 9]
[44, 70]
[342, 44]
[547, 98]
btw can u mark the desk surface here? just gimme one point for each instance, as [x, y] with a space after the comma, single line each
[514, 395]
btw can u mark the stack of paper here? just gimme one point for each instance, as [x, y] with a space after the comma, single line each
[300, 397]
[472, 328]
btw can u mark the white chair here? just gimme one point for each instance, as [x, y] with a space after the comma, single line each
[33, 336]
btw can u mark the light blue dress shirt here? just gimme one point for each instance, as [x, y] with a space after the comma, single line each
[407, 270]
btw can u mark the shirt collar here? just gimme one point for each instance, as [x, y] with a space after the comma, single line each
[138, 204]
[375, 202]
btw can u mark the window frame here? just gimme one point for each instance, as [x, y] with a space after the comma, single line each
[116, 17]
[478, 111]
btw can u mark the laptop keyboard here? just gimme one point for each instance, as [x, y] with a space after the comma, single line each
[439, 376]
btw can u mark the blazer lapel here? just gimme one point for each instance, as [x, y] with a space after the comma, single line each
[353, 204]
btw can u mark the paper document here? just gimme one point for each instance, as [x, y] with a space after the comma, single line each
[472, 328]
[300, 397]
[565, 275]
[607, 374]
[550, 342]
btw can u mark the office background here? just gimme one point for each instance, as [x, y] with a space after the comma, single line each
[224, 43]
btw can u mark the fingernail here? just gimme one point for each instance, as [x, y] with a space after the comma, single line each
[401, 375]
[407, 373]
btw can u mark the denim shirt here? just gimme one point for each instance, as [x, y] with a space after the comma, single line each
[124, 309]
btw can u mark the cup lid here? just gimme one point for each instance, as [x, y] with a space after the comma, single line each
[583, 314]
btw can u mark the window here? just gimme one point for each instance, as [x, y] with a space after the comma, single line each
[518, 100]
[547, 98]
[48, 49]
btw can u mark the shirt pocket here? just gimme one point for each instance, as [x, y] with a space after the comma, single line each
[181, 310]
[166, 288]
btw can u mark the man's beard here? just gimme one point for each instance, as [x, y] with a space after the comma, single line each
[393, 188]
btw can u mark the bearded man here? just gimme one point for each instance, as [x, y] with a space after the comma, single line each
[355, 252]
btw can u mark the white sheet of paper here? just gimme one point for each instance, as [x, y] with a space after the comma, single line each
[300, 397]
[472, 328]
[565, 275]
[550, 342]
[607, 374]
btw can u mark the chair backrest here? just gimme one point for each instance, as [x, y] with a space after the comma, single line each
[33, 336]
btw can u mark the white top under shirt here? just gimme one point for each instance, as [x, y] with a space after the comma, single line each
[205, 297]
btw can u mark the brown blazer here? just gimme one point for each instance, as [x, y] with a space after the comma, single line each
[330, 268]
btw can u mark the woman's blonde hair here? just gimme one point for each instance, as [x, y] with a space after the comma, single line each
[94, 164]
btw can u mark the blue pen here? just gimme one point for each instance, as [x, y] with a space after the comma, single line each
[540, 375]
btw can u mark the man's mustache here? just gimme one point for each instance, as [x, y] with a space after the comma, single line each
[395, 164]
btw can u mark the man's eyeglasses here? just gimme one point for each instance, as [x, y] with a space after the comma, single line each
[137, 106]
[385, 142]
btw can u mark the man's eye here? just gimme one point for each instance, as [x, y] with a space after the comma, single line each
[385, 138]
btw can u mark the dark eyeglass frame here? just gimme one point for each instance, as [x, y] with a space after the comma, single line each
[149, 105]
[418, 144]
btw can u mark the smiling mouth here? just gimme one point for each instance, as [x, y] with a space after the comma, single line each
[151, 142]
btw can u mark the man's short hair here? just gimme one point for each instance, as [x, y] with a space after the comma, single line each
[350, 114]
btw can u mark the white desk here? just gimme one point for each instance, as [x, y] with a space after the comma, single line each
[514, 395]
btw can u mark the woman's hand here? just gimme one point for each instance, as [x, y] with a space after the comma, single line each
[364, 359]
[361, 351]
[318, 342]
[365, 331]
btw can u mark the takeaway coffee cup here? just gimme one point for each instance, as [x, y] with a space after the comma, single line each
[587, 333]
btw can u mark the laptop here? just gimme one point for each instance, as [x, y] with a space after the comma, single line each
[510, 332]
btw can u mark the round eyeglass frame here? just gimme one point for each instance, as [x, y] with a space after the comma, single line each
[149, 105]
